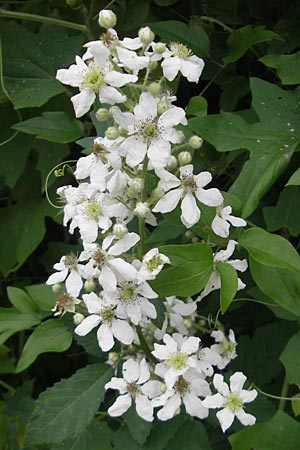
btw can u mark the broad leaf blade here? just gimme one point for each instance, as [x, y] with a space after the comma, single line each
[229, 284]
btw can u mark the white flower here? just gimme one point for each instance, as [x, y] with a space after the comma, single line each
[186, 389]
[231, 400]
[176, 310]
[221, 223]
[186, 188]
[214, 281]
[225, 347]
[178, 58]
[94, 75]
[104, 264]
[74, 283]
[152, 264]
[148, 132]
[178, 355]
[65, 303]
[136, 385]
[104, 313]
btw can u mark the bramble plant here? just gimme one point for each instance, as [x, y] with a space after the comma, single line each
[167, 311]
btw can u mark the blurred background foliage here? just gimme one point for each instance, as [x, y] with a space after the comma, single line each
[250, 80]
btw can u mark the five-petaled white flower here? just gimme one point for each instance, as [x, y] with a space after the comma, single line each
[223, 218]
[179, 58]
[232, 400]
[71, 271]
[186, 188]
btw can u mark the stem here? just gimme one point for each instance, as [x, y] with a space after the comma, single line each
[284, 391]
[142, 228]
[218, 22]
[144, 345]
[212, 80]
[7, 387]
[51, 20]
[276, 397]
[64, 163]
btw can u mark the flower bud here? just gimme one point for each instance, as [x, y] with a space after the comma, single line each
[173, 163]
[184, 158]
[159, 47]
[122, 131]
[157, 193]
[78, 318]
[137, 185]
[146, 35]
[113, 357]
[142, 209]
[154, 88]
[56, 288]
[181, 136]
[163, 388]
[89, 285]
[112, 133]
[195, 239]
[107, 19]
[189, 234]
[120, 230]
[188, 323]
[152, 65]
[102, 114]
[195, 142]
[162, 106]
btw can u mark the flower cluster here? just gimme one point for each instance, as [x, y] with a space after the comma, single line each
[108, 284]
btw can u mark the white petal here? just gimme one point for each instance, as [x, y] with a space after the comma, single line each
[170, 67]
[57, 277]
[87, 325]
[110, 95]
[237, 221]
[225, 417]
[123, 268]
[152, 388]
[191, 345]
[74, 283]
[192, 69]
[124, 244]
[122, 331]
[108, 279]
[117, 383]
[144, 372]
[237, 381]
[105, 337]
[83, 101]
[168, 202]
[194, 406]
[220, 385]
[214, 401]
[92, 302]
[248, 396]
[170, 408]
[121, 405]
[148, 309]
[210, 197]
[172, 117]
[144, 408]
[131, 370]
[190, 213]
[118, 79]
[245, 418]
[220, 227]
[146, 108]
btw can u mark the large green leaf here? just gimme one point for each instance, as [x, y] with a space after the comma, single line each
[68, 406]
[12, 321]
[270, 249]
[163, 432]
[290, 358]
[229, 284]
[49, 336]
[241, 40]
[138, 428]
[191, 264]
[281, 285]
[42, 295]
[54, 126]
[21, 301]
[190, 436]
[287, 66]
[286, 213]
[295, 179]
[97, 436]
[280, 433]
[191, 35]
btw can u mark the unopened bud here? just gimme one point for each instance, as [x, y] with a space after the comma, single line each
[188, 323]
[154, 88]
[113, 357]
[102, 114]
[157, 193]
[184, 158]
[56, 288]
[142, 209]
[189, 234]
[78, 318]
[112, 133]
[195, 239]
[181, 136]
[146, 35]
[89, 285]
[137, 185]
[159, 47]
[162, 106]
[120, 230]
[107, 19]
[123, 131]
[163, 388]
[152, 65]
[195, 142]
[173, 163]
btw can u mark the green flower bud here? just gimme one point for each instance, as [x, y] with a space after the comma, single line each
[162, 106]
[146, 35]
[195, 142]
[173, 163]
[78, 318]
[152, 65]
[107, 19]
[89, 285]
[184, 158]
[112, 133]
[56, 288]
[102, 114]
[159, 47]
[120, 230]
[154, 88]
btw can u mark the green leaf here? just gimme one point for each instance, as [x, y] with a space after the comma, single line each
[132, 15]
[295, 179]
[14, 155]
[97, 436]
[191, 35]
[191, 264]
[29, 76]
[290, 358]
[12, 321]
[164, 231]
[229, 284]
[270, 249]
[190, 436]
[241, 40]
[165, 2]
[68, 406]
[21, 301]
[138, 428]
[42, 295]
[6, 363]
[55, 126]
[286, 213]
[49, 336]
[282, 285]
[197, 106]
[280, 433]
[163, 432]
[287, 66]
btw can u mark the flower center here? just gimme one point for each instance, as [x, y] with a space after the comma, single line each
[181, 386]
[99, 256]
[70, 261]
[153, 263]
[93, 79]
[227, 348]
[188, 182]
[180, 50]
[107, 315]
[147, 129]
[127, 292]
[133, 389]
[100, 151]
[177, 360]
[93, 211]
[63, 301]
[233, 401]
